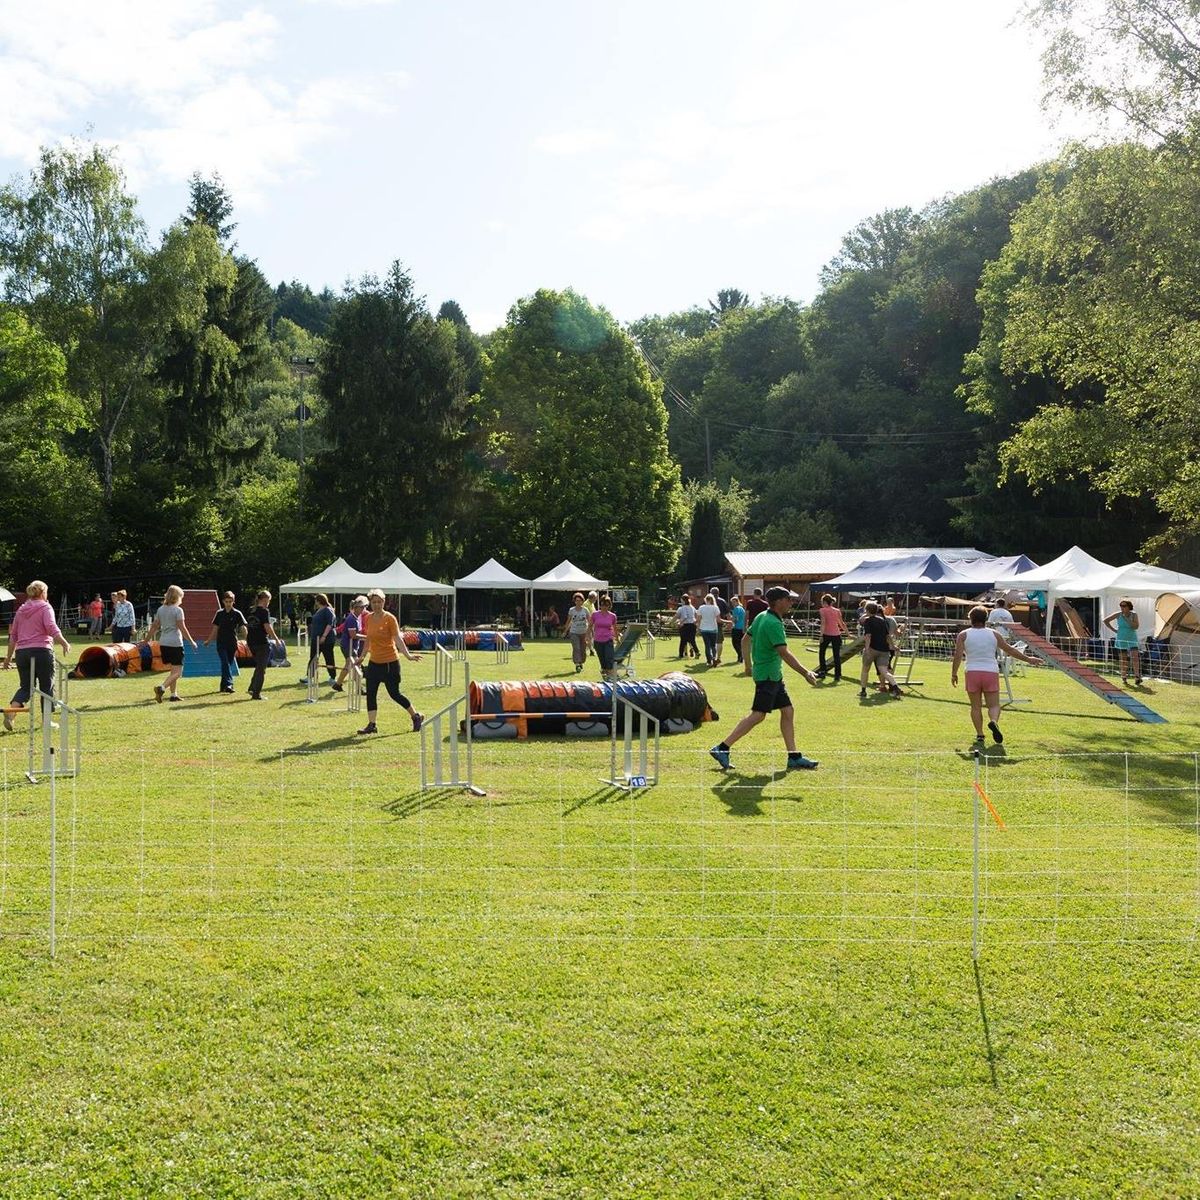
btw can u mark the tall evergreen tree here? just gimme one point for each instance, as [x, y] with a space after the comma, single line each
[396, 474]
[705, 553]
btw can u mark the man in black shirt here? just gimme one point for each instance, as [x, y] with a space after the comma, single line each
[259, 636]
[226, 624]
[877, 651]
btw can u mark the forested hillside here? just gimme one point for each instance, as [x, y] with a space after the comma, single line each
[1015, 367]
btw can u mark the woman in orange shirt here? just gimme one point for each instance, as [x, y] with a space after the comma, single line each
[385, 644]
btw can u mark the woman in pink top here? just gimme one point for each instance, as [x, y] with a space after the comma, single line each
[833, 629]
[604, 630]
[31, 638]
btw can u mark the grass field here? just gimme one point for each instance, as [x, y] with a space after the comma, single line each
[284, 971]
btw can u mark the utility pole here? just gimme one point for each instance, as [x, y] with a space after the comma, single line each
[707, 448]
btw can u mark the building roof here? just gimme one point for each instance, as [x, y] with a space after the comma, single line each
[824, 564]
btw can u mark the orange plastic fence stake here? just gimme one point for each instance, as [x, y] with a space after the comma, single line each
[991, 807]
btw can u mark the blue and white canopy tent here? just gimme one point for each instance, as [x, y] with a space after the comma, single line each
[913, 573]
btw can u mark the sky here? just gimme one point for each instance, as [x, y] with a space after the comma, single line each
[645, 152]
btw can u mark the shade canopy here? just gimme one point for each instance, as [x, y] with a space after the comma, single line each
[492, 575]
[401, 579]
[912, 573]
[339, 576]
[566, 577]
[1055, 575]
[5, 594]
[989, 570]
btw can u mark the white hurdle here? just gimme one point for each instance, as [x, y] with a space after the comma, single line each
[444, 767]
[312, 685]
[651, 642]
[443, 666]
[354, 690]
[50, 756]
[460, 646]
[644, 775]
[501, 649]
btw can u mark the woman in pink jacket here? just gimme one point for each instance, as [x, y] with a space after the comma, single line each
[31, 639]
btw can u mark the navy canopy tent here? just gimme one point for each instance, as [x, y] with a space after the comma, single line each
[913, 573]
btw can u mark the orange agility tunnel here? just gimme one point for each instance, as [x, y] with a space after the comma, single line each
[127, 658]
[553, 706]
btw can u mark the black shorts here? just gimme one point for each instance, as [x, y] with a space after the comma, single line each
[172, 656]
[769, 695]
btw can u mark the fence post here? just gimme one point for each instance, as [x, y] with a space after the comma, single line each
[975, 864]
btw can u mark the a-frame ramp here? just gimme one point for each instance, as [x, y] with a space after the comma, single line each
[1085, 676]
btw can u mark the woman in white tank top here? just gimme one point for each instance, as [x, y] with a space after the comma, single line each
[978, 646]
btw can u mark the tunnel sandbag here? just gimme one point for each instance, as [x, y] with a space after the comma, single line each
[548, 706]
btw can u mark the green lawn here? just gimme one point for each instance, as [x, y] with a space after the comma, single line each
[284, 971]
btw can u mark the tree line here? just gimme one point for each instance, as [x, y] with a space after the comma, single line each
[1014, 367]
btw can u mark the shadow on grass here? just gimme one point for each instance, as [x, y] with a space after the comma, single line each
[405, 807]
[743, 794]
[987, 1029]
[334, 743]
[605, 794]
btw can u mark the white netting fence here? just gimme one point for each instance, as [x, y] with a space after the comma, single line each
[871, 848]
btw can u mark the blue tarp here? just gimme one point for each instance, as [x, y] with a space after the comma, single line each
[926, 573]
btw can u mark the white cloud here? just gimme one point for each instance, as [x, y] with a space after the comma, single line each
[195, 90]
[572, 142]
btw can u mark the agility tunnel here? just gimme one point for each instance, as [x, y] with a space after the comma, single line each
[468, 639]
[578, 708]
[128, 658]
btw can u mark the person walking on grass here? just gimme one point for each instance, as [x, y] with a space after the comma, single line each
[32, 637]
[833, 629]
[769, 651]
[578, 621]
[347, 631]
[979, 646]
[1126, 641]
[321, 637]
[171, 629]
[124, 618]
[877, 652]
[737, 626]
[685, 619]
[604, 631]
[226, 625]
[259, 636]
[755, 605]
[708, 620]
[385, 643]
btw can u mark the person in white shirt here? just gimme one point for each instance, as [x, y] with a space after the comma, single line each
[708, 618]
[1000, 616]
[979, 646]
[685, 617]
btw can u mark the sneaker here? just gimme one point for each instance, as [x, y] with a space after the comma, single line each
[337, 687]
[255, 696]
[8, 722]
[797, 762]
[158, 692]
[371, 727]
[721, 756]
[996, 734]
[979, 739]
[175, 699]
[895, 690]
[418, 720]
[862, 693]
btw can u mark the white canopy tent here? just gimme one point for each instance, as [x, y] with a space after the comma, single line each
[339, 576]
[492, 575]
[566, 577]
[5, 594]
[1140, 582]
[1057, 578]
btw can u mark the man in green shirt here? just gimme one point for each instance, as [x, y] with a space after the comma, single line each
[769, 653]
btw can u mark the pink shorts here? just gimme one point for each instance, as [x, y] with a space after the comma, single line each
[983, 681]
